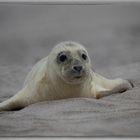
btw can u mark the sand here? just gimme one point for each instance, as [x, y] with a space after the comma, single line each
[111, 34]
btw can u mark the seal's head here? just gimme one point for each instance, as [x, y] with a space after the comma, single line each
[70, 62]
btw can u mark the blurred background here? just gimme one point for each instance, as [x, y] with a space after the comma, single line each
[111, 33]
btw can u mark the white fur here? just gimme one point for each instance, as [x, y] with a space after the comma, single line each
[42, 83]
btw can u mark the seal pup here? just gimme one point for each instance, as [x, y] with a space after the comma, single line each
[65, 73]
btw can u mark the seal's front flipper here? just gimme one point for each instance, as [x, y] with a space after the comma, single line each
[19, 101]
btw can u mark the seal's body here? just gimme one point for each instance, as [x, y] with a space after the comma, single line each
[65, 73]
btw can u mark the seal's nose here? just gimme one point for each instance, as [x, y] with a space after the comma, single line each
[77, 68]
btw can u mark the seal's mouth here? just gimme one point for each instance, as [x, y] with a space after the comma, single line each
[77, 77]
[73, 79]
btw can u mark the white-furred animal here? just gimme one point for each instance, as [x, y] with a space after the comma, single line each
[65, 73]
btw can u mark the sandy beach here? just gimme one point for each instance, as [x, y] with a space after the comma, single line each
[111, 34]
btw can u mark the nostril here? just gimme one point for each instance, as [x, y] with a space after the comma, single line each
[77, 68]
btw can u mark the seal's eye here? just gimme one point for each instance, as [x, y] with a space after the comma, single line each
[84, 56]
[62, 58]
